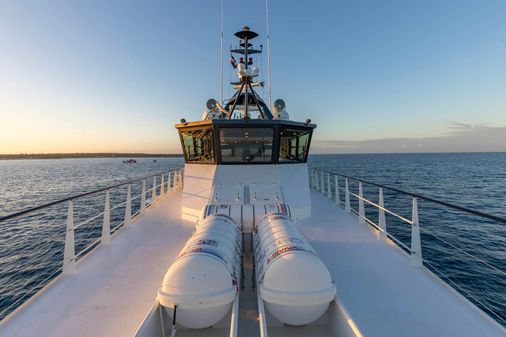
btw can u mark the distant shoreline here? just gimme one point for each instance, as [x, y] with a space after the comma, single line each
[86, 155]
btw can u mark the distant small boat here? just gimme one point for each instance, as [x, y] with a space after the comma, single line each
[129, 161]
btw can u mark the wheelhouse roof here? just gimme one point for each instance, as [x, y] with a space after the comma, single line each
[244, 123]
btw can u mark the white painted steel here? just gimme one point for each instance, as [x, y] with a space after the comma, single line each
[234, 319]
[361, 210]
[293, 282]
[200, 181]
[69, 258]
[261, 309]
[337, 197]
[143, 196]
[381, 216]
[347, 205]
[128, 206]
[329, 190]
[202, 282]
[416, 247]
[106, 225]
[153, 190]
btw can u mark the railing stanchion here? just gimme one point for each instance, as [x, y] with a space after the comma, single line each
[314, 179]
[381, 216]
[153, 190]
[347, 205]
[361, 211]
[323, 182]
[128, 206]
[69, 254]
[143, 196]
[337, 197]
[171, 181]
[162, 185]
[106, 225]
[329, 191]
[416, 247]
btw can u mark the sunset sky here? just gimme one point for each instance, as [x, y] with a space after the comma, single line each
[375, 76]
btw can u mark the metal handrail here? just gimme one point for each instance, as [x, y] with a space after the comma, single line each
[159, 187]
[52, 203]
[375, 225]
[398, 216]
[318, 181]
[422, 197]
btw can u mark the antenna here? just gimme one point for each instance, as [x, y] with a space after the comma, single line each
[221, 49]
[268, 52]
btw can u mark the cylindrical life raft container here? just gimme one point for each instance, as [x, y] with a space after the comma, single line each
[294, 283]
[202, 281]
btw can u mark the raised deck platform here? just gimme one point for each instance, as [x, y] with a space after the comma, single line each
[115, 285]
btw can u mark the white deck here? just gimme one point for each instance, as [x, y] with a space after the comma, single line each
[385, 295]
[114, 287]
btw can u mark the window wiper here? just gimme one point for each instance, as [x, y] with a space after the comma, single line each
[256, 154]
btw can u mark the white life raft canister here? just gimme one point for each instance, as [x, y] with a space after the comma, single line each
[202, 281]
[294, 283]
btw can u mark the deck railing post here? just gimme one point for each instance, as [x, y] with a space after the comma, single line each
[153, 190]
[106, 225]
[416, 247]
[361, 211]
[337, 197]
[381, 216]
[323, 183]
[171, 180]
[162, 185]
[329, 191]
[69, 254]
[315, 184]
[143, 196]
[347, 206]
[128, 206]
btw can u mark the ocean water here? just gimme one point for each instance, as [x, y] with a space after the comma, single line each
[31, 246]
[465, 250]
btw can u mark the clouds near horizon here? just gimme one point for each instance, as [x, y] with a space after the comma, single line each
[459, 137]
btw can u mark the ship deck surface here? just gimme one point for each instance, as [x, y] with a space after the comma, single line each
[115, 286]
[383, 292]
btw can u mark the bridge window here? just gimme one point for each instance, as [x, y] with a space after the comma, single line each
[294, 145]
[246, 145]
[198, 145]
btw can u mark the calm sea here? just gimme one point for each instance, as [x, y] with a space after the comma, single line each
[468, 251]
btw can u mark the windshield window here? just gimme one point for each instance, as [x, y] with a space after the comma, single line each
[293, 145]
[246, 145]
[198, 145]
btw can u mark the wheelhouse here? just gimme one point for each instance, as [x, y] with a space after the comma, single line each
[251, 141]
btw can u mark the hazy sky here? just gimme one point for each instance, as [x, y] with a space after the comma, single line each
[376, 76]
